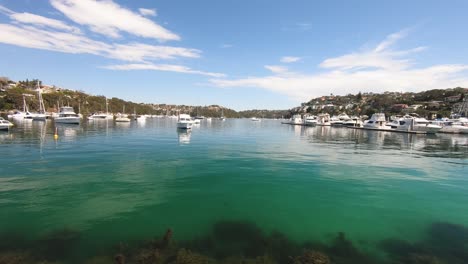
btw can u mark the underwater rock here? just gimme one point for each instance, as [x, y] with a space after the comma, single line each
[148, 256]
[188, 257]
[311, 257]
[422, 259]
[166, 240]
[14, 257]
[57, 244]
[119, 259]
[342, 251]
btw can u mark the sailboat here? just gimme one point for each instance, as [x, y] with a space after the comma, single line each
[102, 116]
[122, 117]
[41, 115]
[222, 118]
[22, 115]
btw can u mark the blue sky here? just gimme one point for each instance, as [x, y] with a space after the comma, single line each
[240, 54]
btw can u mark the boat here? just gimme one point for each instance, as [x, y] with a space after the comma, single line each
[196, 121]
[41, 114]
[377, 121]
[122, 117]
[184, 121]
[5, 124]
[67, 115]
[323, 120]
[101, 115]
[353, 121]
[255, 119]
[25, 114]
[222, 118]
[310, 121]
[295, 120]
[415, 125]
[454, 126]
[208, 119]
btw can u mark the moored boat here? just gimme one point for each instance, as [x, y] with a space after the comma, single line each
[5, 124]
[67, 116]
[184, 121]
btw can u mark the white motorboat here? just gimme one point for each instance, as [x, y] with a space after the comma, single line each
[67, 116]
[353, 121]
[5, 124]
[101, 115]
[255, 119]
[196, 121]
[415, 124]
[184, 121]
[323, 120]
[377, 121]
[296, 120]
[310, 121]
[452, 127]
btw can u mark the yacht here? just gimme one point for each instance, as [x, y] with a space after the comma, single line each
[310, 121]
[377, 121]
[415, 124]
[255, 119]
[323, 120]
[5, 124]
[122, 117]
[296, 120]
[67, 115]
[184, 121]
[353, 121]
[196, 121]
[101, 115]
[453, 126]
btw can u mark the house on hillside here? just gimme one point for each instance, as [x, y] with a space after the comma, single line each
[399, 107]
[453, 99]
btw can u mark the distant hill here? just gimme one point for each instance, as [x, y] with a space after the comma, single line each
[431, 103]
[11, 98]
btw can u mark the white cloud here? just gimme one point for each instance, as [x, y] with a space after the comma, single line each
[376, 70]
[33, 31]
[276, 68]
[100, 17]
[289, 59]
[31, 37]
[147, 12]
[28, 18]
[161, 67]
[227, 46]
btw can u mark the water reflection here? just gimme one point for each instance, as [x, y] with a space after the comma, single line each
[184, 135]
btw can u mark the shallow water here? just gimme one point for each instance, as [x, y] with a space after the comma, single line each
[125, 182]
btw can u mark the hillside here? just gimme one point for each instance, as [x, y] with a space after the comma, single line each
[431, 103]
[11, 98]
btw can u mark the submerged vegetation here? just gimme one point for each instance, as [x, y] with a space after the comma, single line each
[240, 242]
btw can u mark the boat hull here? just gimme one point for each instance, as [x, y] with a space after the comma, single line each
[67, 120]
[184, 125]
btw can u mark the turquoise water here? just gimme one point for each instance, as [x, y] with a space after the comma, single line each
[127, 182]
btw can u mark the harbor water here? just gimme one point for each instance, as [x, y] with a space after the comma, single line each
[109, 183]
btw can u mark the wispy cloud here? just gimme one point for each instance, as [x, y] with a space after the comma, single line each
[161, 67]
[38, 32]
[377, 70]
[227, 46]
[100, 17]
[276, 69]
[298, 27]
[147, 12]
[289, 59]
